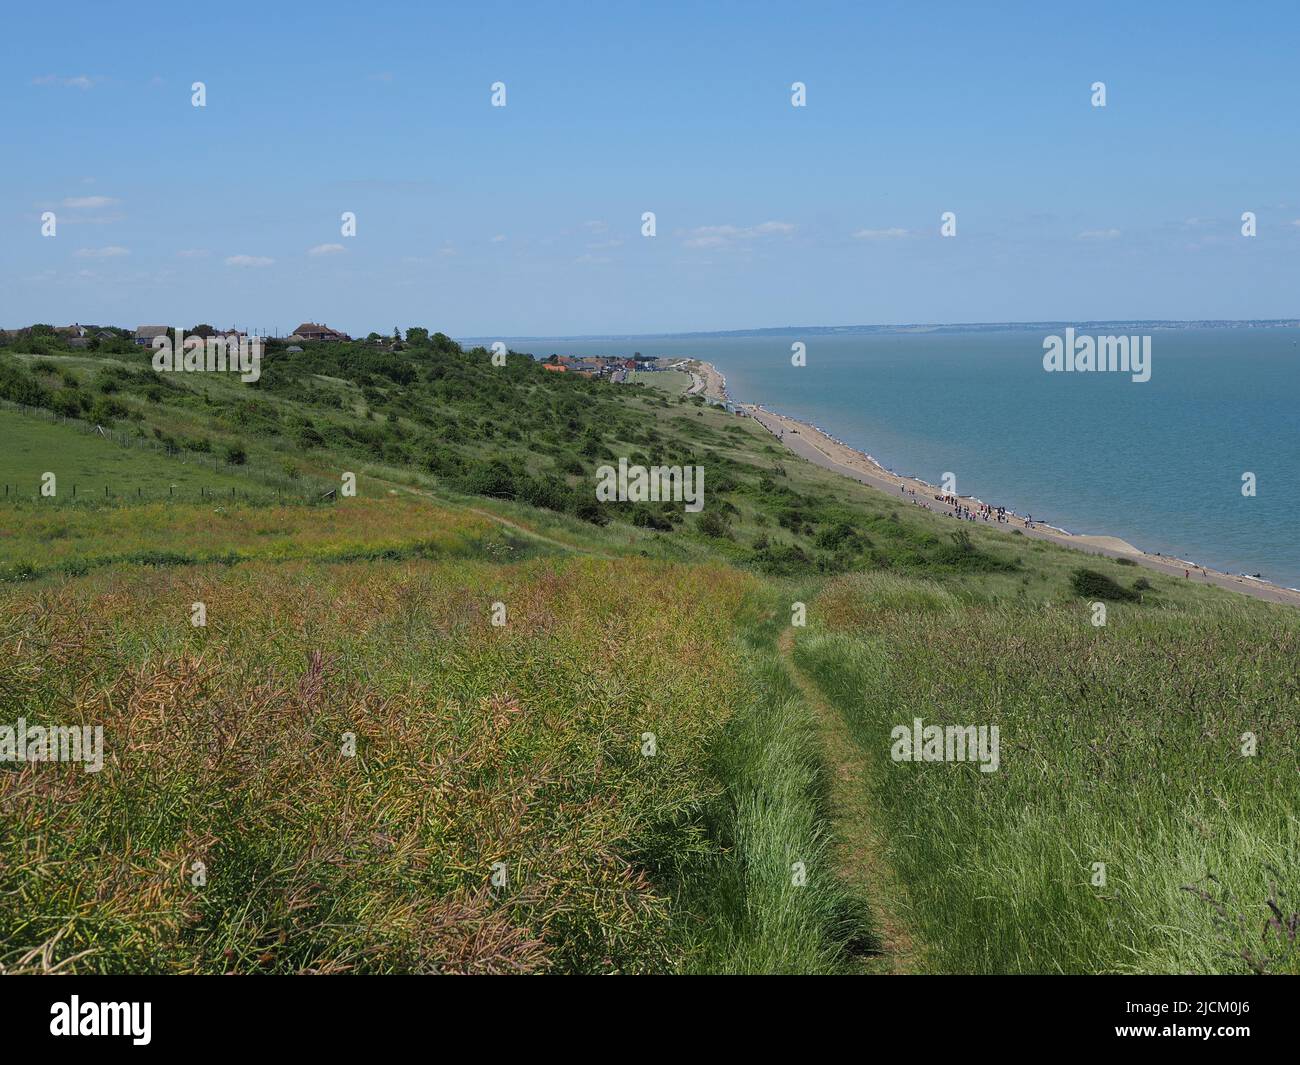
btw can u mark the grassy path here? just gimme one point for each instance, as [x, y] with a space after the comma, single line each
[861, 855]
[488, 515]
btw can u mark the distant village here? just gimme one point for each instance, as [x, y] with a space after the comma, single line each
[611, 366]
[88, 336]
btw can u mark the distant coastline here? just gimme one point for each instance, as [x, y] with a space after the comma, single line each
[816, 445]
[1119, 325]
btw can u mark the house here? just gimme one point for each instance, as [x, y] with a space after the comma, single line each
[145, 334]
[312, 331]
[555, 367]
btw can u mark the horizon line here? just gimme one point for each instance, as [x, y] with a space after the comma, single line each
[879, 327]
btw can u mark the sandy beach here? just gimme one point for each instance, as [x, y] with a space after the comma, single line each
[705, 379]
[819, 447]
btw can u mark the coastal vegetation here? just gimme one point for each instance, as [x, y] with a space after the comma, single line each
[664, 750]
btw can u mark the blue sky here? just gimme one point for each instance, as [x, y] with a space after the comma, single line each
[525, 220]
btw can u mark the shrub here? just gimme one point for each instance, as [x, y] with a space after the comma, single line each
[713, 524]
[1093, 585]
[106, 410]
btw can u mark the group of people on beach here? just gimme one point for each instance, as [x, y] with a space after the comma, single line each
[962, 512]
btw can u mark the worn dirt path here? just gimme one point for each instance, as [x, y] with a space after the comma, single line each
[860, 852]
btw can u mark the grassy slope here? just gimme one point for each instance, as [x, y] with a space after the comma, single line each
[89, 471]
[476, 744]
[1119, 744]
[995, 621]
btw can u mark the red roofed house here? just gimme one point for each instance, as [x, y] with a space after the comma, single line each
[312, 331]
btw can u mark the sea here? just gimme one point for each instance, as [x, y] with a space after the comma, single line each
[1161, 463]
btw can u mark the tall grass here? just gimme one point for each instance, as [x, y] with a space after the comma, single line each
[475, 745]
[776, 902]
[36, 540]
[1120, 745]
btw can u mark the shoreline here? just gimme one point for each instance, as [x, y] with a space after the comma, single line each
[822, 449]
[706, 380]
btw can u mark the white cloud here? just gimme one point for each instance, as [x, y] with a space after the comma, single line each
[595, 226]
[1098, 234]
[79, 81]
[325, 249]
[500, 238]
[87, 203]
[892, 233]
[248, 260]
[111, 252]
[722, 236]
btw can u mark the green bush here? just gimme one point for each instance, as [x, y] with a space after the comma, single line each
[1093, 585]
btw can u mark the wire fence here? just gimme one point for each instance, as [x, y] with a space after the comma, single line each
[272, 485]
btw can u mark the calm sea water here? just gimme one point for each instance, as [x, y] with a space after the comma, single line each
[1159, 463]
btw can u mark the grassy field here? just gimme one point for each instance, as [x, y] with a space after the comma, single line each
[676, 775]
[674, 382]
[88, 468]
[37, 539]
[523, 744]
[1121, 744]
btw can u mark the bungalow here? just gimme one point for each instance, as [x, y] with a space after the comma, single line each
[555, 367]
[145, 334]
[312, 331]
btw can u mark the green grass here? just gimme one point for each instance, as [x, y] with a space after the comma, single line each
[674, 382]
[37, 539]
[523, 744]
[775, 900]
[88, 467]
[1119, 745]
[475, 745]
